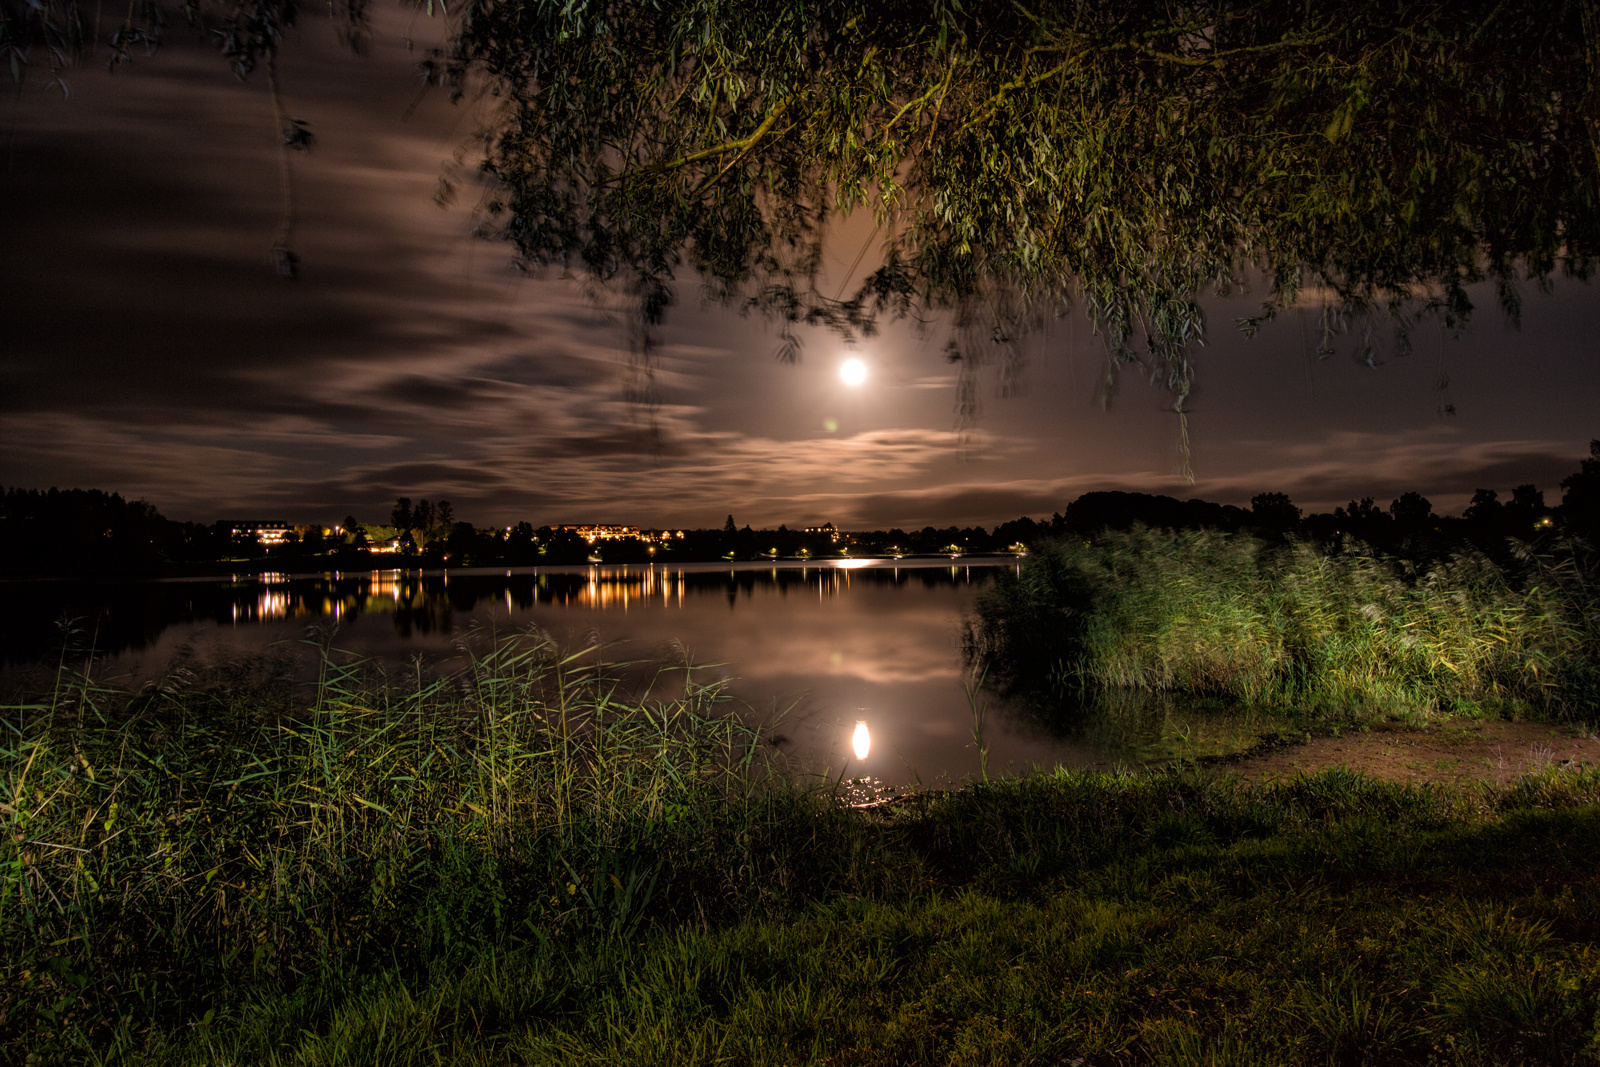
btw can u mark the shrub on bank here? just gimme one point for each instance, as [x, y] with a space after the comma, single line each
[1291, 625]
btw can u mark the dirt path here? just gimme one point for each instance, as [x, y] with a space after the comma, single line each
[1456, 751]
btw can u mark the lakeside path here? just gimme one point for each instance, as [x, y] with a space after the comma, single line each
[1457, 751]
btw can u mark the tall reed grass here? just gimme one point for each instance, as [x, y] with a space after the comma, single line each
[1177, 917]
[166, 848]
[1293, 626]
[528, 861]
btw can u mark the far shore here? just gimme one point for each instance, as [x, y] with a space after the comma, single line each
[418, 565]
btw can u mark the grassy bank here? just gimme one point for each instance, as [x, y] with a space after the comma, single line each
[1336, 633]
[170, 851]
[524, 863]
[1350, 925]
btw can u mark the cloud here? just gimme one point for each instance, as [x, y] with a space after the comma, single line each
[151, 350]
[1328, 471]
[981, 503]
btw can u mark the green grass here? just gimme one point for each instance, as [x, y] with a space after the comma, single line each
[1292, 626]
[1333, 920]
[169, 849]
[523, 863]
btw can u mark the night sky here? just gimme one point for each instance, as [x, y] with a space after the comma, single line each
[150, 349]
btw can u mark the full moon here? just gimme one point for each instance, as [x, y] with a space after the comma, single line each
[852, 372]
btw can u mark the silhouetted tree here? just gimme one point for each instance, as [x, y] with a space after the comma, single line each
[1364, 520]
[1274, 513]
[520, 544]
[1366, 510]
[1116, 510]
[1580, 501]
[461, 542]
[1024, 531]
[624, 550]
[1485, 509]
[1411, 510]
[562, 546]
[1524, 510]
[423, 520]
[81, 531]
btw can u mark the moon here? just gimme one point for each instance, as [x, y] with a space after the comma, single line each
[852, 372]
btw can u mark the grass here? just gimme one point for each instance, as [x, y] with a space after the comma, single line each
[1108, 920]
[169, 849]
[525, 862]
[1174, 961]
[1336, 634]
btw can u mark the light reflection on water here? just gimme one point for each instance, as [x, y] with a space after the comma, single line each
[274, 595]
[823, 644]
[861, 741]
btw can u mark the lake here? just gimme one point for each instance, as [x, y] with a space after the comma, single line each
[811, 648]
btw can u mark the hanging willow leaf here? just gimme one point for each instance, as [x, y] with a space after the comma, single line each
[1129, 155]
[1132, 155]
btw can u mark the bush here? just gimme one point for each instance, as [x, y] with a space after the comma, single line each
[1289, 625]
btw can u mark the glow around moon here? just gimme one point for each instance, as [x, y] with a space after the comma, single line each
[852, 372]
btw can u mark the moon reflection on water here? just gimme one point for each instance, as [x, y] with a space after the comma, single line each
[861, 741]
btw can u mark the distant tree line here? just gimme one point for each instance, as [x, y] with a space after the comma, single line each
[89, 533]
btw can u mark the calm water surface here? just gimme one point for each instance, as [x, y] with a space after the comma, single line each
[819, 647]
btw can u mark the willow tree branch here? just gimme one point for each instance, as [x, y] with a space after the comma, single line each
[742, 146]
[283, 257]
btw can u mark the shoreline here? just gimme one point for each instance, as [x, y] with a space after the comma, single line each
[1449, 751]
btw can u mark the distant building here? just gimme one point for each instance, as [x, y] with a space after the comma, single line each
[827, 530]
[380, 540]
[266, 532]
[600, 531]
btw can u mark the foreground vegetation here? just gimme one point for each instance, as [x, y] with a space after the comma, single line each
[524, 863]
[1336, 633]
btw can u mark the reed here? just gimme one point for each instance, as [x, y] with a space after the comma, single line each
[1167, 918]
[1293, 626]
[529, 860]
[168, 848]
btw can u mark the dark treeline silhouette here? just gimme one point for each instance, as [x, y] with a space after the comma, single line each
[89, 533]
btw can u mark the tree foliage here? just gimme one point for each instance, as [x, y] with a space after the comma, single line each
[1015, 155]
[1365, 155]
